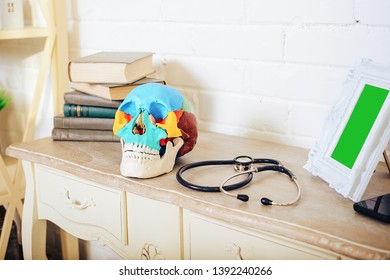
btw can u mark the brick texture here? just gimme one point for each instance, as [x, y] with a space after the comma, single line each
[268, 69]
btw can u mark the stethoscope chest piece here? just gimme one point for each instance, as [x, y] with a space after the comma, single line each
[243, 163]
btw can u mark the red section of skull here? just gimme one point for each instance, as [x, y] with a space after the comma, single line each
[188, 126]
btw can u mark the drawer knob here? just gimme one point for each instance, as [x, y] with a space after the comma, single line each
[76, 204]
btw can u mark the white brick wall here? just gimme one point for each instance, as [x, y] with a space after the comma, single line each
[258, 68]
[337, 45]
[301, 11]
[268, 69]
[373, 12]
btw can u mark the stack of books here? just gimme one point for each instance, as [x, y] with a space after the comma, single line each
[85, 118]
[100, 82]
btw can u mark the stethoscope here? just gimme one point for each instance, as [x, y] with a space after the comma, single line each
[243, 165]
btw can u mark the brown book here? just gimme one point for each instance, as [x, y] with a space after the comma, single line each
[81, 98]
[60, 121]
[111, 67]
[87, 135]
[112, 91]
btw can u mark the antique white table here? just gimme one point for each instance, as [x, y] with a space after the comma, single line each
[77, 185]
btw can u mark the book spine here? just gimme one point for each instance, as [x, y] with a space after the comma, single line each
[59, 134]
[74, 110]
[83, 123]
[79, 98]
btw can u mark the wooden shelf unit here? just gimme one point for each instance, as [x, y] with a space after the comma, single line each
[25, 33]
[54, 58]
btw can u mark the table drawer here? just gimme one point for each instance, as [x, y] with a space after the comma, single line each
[207, 238]
[64, 197]
[154, 228]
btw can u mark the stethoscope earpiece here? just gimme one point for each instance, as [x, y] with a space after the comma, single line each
[243, 197]
[266, 201]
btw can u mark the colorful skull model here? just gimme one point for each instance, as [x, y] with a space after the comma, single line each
[156, 124]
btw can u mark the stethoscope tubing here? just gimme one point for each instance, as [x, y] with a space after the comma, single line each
[206, 188]
[264, 200]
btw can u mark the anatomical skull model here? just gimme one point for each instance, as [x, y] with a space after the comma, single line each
[156, 124]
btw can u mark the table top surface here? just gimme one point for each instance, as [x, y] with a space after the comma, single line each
[321, 218]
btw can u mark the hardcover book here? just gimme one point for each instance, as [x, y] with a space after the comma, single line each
[64, 134]
[74, 110]
[111, 67]
[80, 98]
[112, 91]
[60, 121]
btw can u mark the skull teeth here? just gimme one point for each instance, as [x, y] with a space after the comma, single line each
[141, 156]
[135, 151]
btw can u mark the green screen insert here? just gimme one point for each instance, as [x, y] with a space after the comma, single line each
[359, 125]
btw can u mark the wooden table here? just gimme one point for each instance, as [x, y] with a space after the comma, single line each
[180, 223]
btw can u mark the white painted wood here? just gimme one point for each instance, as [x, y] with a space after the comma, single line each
[33, 229]
[207, 238]
[153, 228]
[94, 209]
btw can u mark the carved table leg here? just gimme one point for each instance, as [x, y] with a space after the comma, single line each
[33, 230]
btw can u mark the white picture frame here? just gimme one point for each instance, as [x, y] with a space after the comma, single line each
[347, 166]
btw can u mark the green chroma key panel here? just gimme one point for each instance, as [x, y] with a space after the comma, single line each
[359, 125]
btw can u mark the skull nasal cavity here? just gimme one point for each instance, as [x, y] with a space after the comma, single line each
[139, 126]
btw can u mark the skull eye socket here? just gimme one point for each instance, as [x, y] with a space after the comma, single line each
[158, 111]
[129, 108]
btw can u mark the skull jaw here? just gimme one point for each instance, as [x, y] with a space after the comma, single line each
[145, 168]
